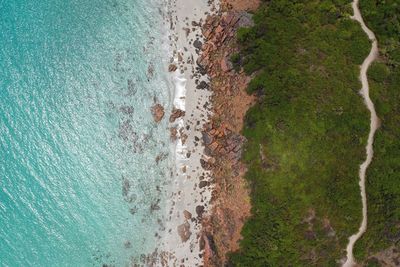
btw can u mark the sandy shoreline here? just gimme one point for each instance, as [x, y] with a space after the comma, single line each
[188, 198]
[208, 200]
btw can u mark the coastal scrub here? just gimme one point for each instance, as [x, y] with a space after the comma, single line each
[306, 135]
[383, 176]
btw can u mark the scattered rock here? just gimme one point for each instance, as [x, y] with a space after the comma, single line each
[127, 244]
[155, 206]
[187, 31]
[202, 85]
[172, 68]
[150, 71]
[161, 157]
[203, 184]
[195, 24]
[125, 187]
[127, 110]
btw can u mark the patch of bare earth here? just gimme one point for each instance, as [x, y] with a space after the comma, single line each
[387, 258]
[242, 5]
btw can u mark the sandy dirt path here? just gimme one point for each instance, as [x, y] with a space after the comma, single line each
[350, 262]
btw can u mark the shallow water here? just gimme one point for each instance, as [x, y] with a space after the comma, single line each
[79, 184]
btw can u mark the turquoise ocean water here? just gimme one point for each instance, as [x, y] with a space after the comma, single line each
[79, 183]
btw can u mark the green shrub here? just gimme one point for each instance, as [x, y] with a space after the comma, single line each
[236, 61]
[311, 125]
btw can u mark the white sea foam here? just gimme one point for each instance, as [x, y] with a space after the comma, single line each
[180, 90]
[180, 103]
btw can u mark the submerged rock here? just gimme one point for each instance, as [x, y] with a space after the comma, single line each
[158, 112]
[173, 133]
[127, 110]
[127, 244]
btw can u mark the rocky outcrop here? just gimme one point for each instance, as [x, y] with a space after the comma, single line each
[240, 5]
[219, 30]
[221, 136]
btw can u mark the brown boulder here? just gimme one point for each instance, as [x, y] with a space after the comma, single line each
[184, 231]
[172, 68]
[187, 215]
[219, 29]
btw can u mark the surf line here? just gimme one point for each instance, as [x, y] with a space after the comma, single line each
[374, 124]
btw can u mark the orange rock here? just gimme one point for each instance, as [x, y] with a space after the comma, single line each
[225, 65]
[213, 146]
[219, 29]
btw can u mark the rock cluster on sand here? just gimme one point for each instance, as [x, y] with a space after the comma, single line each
[218, 31]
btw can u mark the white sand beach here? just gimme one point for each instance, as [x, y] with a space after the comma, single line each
[180, 245]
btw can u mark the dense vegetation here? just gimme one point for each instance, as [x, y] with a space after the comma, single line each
[306, 135]
[383, 176]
